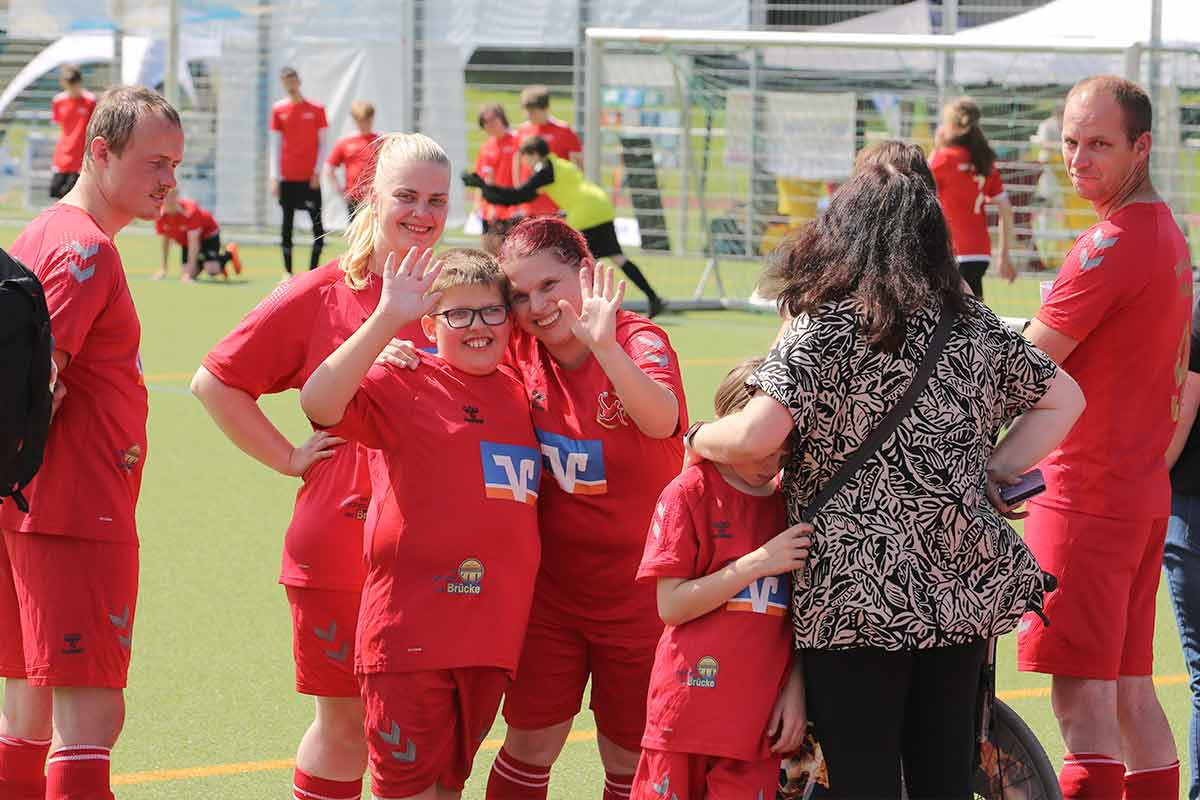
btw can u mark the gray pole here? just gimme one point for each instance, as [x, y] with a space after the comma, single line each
[171, 82]
[946, 62]
[1164, 152]
[591, 117]
[116, 10]
[261, 145]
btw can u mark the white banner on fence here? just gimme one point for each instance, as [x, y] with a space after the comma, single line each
[808, 136]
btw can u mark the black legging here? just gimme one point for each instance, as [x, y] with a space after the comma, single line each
[293, 195]
[972, 272]
[874, 709]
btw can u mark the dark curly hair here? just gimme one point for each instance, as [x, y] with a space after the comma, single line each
[882, 241]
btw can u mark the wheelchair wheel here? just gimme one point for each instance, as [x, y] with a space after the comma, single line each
[1012, 763]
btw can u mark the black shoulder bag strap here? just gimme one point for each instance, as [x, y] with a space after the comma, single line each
[878, 436]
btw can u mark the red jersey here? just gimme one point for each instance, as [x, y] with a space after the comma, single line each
[275, 348]
[562, 141]
[1124, 293]
[602, 475]
[495, 164]
[453, 557]
[963, 192]
[89, 482]
[356, 152]
[72, 114]
[299, 125]
[189, 217]
[716, 677]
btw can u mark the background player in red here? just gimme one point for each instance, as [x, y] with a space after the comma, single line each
[1117, 318]
[298, 128]
[607, 401]
[198, 235]
[69, 568]
[495, 165]
[453, 557]
[726, 702]
[355, 153]
[964, 168]
[71, 109]
[558, 135]
[274, 349]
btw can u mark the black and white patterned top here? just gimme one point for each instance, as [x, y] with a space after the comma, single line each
[909, 554]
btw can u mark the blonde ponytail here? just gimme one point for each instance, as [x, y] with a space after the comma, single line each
[390, 149]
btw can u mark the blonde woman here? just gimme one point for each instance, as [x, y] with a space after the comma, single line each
[275, 348]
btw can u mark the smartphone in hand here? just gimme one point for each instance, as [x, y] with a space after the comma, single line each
[1029, 485]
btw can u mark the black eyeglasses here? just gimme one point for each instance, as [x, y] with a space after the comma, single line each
[465, 317]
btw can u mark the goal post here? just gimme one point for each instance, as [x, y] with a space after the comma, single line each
[744, 135]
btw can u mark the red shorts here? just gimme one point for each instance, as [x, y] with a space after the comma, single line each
[559, 654]
[1102, 613]
[695, 777]
[72, 601]
[424, 728]
[323, 625]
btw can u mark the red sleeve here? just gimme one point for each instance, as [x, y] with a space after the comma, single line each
[672, 545]
[337, 155]
[56, 112]
[480, 163]
[268, 351]
[79, 285]
[649, 348]
[196, 220]
[321, 121]
[275, 126]
[377, 401]
[1093, 280]
[573, 144]
[993, 186]
[159, 227]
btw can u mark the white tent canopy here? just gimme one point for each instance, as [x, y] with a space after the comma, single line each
[1119, 24]
[143, 60]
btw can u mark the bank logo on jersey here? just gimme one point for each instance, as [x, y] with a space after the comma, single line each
[577, 464]
[470, 578]
[510, 472]
[769, 595]
[704, 675]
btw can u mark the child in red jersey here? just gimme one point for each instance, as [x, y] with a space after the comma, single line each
[722, 689]
[355, 152]
[450, 574]
[71, 109]
[275, 348]
[184, 222]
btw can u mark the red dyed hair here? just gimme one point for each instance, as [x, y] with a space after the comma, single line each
[535, 235]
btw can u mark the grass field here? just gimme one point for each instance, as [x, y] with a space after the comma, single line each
[212, 713]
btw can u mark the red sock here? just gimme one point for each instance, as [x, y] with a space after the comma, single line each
[308, 787]
[78, 772]
[617, 786]
[23, 768]
[515, 780]
[1092, 776]
[1153, 784]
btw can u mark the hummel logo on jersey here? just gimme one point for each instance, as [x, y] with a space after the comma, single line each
[472, 415]
[768, 595]
[720, 530]
[661, 789]
[84, 253]
[510, 472]
[577, 464]
[655, 350]
[121, 623]
[407, 755]
[1088, 260]
[656, 527]
[72, 641]
[78, 271]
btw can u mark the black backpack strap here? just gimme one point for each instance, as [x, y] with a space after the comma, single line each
[871, 444]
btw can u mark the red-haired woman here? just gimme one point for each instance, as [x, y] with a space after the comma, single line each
[608, 408]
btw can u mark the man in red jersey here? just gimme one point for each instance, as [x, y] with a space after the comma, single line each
[70, 110]
[608, 406]
[1117, 319]
[69, 568]
[355, 152]
[558, 135]
[198, 235]
[297, 142]
[495, 165]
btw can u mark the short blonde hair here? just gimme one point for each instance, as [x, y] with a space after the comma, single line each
[117, 114]
[389, 149]
[467, 266]
[361, 109]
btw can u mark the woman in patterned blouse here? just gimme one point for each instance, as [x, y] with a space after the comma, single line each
[912, 568]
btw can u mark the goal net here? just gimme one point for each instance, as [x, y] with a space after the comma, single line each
[719, 144]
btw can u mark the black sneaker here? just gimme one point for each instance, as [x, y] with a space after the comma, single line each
[657, 306]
